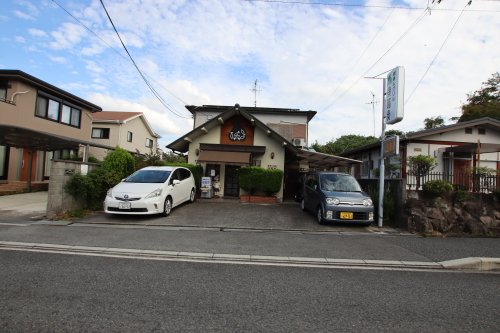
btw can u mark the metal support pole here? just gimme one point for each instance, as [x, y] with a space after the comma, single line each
[382, 164]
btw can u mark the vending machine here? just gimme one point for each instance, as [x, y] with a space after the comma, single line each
[206, 188]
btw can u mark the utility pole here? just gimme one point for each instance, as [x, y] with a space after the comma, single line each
[255, 90]
[373, 102]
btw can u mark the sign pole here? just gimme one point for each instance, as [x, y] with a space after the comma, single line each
[382, 164]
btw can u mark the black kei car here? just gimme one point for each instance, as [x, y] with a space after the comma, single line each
[336, 197]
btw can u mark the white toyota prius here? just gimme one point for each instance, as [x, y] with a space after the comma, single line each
[151, 190]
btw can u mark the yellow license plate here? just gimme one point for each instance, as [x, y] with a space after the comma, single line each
[346, 215]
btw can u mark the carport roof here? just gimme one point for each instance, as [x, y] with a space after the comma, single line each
[20, 137]
[324, 161]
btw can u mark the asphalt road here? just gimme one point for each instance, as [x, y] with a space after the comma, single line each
[58, 292]
[275, 243]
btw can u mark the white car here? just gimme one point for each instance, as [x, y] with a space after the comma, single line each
[151, 190]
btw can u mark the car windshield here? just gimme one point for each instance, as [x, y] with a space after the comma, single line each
[340, 183]
[148, 176]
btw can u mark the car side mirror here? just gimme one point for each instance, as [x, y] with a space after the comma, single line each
[176, 181]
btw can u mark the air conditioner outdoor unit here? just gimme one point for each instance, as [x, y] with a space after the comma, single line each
[299, 142]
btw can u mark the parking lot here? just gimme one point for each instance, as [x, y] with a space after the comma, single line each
[228, 214]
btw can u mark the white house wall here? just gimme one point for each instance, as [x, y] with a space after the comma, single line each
[459, 135]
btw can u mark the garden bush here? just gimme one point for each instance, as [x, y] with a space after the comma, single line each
[435, 188]
[91, 189]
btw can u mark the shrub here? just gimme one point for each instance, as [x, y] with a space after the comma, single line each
[118, 164]
[435, 188]
[92, 188]
[461, 195]
[254, 179]
[249, 178]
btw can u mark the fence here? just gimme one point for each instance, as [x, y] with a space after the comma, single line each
[483, 183]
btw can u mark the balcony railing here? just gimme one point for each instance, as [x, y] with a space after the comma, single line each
[483, 183]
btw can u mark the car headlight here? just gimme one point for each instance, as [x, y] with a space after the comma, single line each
[154, 194]
[368, 202]
[332, 201]
[110, 193]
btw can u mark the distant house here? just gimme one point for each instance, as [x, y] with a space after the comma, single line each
[128, 130]
[38, 122]
[457, 149]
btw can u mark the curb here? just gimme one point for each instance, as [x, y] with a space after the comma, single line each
[480, 264]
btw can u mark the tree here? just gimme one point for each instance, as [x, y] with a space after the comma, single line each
[394, 132]
[433, 122]
[420, 166]
[484, 102]
[344, 143]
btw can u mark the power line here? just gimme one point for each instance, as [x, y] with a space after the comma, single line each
[336, 4]
[162, 101]
[157, 95]
[359, 58]
[419, 18]
[437, 54]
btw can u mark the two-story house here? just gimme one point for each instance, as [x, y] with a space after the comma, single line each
[128, 130]
[226, 138]
[38, 122]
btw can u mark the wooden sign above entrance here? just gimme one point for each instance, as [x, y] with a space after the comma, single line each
[237, 131]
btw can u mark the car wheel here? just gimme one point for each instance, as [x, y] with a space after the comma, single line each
[167, 206]
[192, 196]
[303, 204]
[319, 215]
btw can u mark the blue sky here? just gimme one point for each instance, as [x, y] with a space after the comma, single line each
[304, 55]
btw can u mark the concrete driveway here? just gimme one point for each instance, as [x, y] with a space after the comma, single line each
[204, 213]
[228, 214]
[23, 206]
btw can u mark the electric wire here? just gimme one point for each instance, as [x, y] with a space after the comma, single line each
[157, 95]
[359, 57]
[417, 20]
[437, 54]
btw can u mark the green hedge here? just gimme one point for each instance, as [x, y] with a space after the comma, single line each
[256, 179]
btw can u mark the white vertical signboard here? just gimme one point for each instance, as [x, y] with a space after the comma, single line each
[394, 95]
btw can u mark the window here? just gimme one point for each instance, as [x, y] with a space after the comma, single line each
[57, 110]
[3, 90]
[468, 130]
[70, 116]
[53, 110]
[129, 136]
[481, 131]
[41, 107]
[100, 133]
[149, 143]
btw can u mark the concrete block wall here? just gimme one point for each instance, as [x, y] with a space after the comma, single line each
[58, 200]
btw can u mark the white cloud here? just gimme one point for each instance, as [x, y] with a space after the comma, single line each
[37, 32]
[28, 12]
[67, 36]
[59, 60]
[20, 39]
[23, 15]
